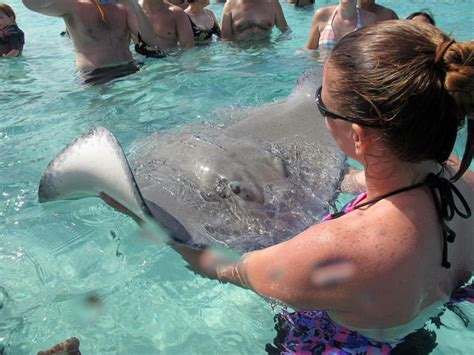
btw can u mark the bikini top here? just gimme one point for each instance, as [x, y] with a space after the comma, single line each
[327, 38]
[444, 194]
[142, 48]
[202, 34]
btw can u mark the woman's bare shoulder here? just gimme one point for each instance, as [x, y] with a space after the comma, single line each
[323, 14]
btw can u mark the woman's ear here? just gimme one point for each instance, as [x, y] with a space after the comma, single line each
[361, 139]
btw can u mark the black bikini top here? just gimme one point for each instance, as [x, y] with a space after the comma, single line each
[142, 48]
[444, 193]
[201, 34]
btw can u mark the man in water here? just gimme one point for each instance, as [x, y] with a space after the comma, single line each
[100, 31]
[250, 19]
[171, 24]
[382, 13]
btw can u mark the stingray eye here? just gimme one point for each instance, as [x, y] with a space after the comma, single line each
[251, 195]
[235, 187]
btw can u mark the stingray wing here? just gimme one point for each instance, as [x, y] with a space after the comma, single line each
[93, 164]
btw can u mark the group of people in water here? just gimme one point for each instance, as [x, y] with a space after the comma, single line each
[101, 30]
[394, 94]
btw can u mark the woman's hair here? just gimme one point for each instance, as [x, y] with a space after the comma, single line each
[414, 82]
[7, 10]
[425, 13]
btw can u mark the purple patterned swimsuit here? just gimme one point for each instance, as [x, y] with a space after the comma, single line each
[314, 332]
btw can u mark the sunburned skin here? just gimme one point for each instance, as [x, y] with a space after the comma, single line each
[101, 34]
[94, 38]
[243, 19]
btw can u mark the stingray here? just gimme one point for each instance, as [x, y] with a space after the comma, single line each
[259, 178]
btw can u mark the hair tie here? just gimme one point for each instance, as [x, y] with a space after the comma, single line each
[441, 49]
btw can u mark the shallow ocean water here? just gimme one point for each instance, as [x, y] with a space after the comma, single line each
[80, 269]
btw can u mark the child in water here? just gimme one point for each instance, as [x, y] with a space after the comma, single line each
[12, 38]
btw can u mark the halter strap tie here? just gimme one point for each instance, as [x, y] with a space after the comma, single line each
[444, 194]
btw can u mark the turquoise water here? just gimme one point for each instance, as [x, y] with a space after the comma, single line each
[53, 258]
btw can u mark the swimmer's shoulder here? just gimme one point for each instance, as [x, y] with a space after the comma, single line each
[323, 14]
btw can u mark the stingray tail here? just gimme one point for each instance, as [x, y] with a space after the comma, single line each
[94, 165]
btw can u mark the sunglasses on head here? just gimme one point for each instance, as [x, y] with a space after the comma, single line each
[325, 112]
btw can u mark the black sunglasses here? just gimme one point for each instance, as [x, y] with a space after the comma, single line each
[325, 112]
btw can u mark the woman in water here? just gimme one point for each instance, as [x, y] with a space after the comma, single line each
[331, 23]
[393, 96]
[203, 21]
[12, 38]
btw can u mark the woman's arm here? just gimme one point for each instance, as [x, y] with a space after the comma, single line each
[313, 38]
[353, 182]
[306, 272]
[216, 23]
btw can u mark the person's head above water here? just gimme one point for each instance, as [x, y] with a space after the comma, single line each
[7, 15]
[410, 81]
[422, 16]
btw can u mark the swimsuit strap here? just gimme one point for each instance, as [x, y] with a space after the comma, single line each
[357, 26]
[101, 11]
[359, 21]
[443, 192]
[331, 27]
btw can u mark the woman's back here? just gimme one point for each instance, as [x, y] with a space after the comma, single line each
[397, 269]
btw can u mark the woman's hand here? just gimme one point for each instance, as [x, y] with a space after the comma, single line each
[205, 262]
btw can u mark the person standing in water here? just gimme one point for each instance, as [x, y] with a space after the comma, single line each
[367, 279]
[383, 13]
[331, 23]
[171, 25]
[251, 19]
[12, 39]
[100, 33]
[203, 21]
